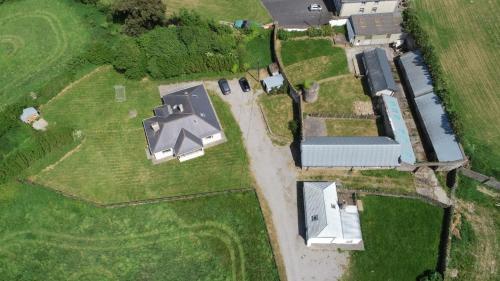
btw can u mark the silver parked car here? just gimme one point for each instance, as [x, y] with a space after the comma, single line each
[315, 8]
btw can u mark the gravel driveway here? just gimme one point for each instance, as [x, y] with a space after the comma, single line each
[275, 173]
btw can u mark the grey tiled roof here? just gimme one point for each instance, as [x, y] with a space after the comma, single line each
[185, 117]
[377, 24]
[378, 70]
[350, 152]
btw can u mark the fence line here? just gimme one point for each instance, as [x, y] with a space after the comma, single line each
[486, 180]
[343, 116]
[137, 202]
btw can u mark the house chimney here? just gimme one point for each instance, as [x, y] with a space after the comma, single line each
[169, 109]
[181, 108]
[155, 126]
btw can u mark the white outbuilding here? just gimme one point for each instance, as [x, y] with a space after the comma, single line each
[327, 221]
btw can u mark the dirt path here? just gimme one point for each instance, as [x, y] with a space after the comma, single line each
[334, 78]
[276, 177]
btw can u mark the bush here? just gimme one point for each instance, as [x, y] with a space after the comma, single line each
[99, 52]
[283, 35]
[129, 59]
[138, 16]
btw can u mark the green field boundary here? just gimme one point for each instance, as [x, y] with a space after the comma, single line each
[138, 202]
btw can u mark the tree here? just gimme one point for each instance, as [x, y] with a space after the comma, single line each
[129, 58]
[430, 276]
[138, 16]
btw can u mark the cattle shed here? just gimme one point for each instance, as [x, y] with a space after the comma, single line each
[375, 29]
[350, 152]
[416, 74]
[437, 128]
[378, 72]
[396, 128]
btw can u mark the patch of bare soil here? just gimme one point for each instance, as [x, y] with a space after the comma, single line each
[362, 108]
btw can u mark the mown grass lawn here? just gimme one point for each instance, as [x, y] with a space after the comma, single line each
[466, 37]
[351, 127]
[37, 38]
[48, 237]
[401, 238]
[258, 49]
[312, 59]
[111, 165]
[278, 110]
[338, 97]
[475, 243]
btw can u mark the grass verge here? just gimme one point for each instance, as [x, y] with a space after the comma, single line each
[278, 110]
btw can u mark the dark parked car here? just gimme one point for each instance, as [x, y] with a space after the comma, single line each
[245, 86]
[224, 87]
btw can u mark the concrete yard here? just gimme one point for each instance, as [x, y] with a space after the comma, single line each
[294, 13]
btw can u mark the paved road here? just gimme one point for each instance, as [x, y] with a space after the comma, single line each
[294, 13]
[275, 173]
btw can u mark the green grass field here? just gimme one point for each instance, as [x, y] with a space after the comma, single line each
[475, 243]
[37, 37]
[47, 237]
[111, 164]
[226, 10]
[312, 60]
[258, 50]
[401, 239]
[466, 37]
[278, 110]
[338, 97]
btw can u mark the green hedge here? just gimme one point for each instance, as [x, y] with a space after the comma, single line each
[32, 149]
[323, 31]
[412, 24]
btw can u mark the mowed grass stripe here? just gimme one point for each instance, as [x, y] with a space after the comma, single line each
[111, 165]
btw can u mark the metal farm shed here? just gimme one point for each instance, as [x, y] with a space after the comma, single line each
[438, 129]
[350, 152]
[396, 128]
[416, 74]
[378, 72]
[375, 29]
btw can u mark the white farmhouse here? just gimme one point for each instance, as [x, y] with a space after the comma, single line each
[347, 8]
[327, 221]
[183, 126]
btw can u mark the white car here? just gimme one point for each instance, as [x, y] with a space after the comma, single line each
[315, 7]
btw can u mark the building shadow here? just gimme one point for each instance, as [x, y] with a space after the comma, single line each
[301, 223]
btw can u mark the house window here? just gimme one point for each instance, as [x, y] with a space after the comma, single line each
[209, 137]
[376, 2]
[363, 3]
[167, 150]
[361, 10]
[374, 9]
[314, 218]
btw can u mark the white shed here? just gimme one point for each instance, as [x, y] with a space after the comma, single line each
[326, 221]
[273, 82]
[29, 115]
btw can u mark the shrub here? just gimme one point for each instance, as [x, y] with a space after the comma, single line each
[129, 58]
[283, 35]
[99, 52]
[138, 16]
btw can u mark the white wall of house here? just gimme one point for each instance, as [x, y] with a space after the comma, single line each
[191, 155]
[362, 40]
[365, 7]
[164, 154]
[212, 139]
[316, 240]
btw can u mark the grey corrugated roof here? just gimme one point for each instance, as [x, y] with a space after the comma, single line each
[438, 128]
[314, 205]
[416, 73]
[399, 128]
[197, 117]
[273, 81]
[377, 24]
[378, 70]
[350, 152]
